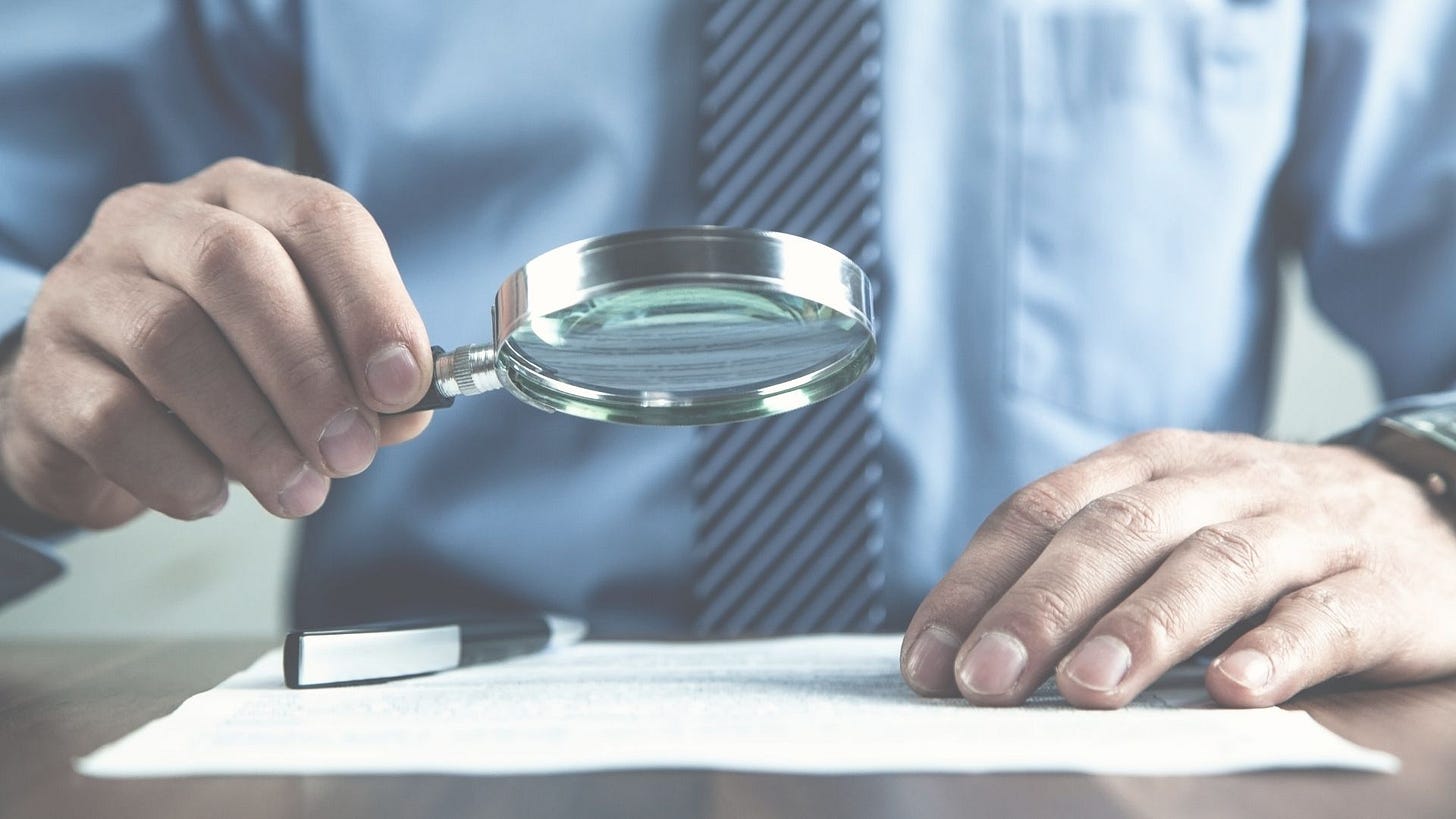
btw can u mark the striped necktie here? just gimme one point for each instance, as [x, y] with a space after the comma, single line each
[789, 510]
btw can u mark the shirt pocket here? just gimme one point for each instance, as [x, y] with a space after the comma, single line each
[1142, 139]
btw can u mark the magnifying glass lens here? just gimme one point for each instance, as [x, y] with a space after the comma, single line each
[729, 352]
[673, 327]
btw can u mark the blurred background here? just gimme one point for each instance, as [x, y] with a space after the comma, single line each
[228, 575]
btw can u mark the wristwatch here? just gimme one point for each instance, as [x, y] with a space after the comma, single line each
[1420, 443]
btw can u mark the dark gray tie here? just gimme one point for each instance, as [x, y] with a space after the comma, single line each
[789, 510]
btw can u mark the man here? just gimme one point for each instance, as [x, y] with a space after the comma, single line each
[1083, 207]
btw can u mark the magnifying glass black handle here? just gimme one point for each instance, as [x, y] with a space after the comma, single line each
[434, 399]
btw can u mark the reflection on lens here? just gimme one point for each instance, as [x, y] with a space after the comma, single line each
[678, 341]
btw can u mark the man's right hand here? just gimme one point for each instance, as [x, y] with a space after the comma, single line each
[245, 323]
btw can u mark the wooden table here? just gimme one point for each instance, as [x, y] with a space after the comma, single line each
[60, 701]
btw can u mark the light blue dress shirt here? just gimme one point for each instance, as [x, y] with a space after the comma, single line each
[1084, 207]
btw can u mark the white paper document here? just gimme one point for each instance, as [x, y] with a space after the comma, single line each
[824, 705]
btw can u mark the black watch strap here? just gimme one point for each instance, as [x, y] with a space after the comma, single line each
[1419, 443]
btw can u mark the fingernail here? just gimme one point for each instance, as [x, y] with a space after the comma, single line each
[930, 663]
[993, 665]
[1100, 663]
[348, 443]
[1248, 667]
[304, 493]
[393, 376]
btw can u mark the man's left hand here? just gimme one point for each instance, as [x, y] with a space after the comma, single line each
[1108, 572]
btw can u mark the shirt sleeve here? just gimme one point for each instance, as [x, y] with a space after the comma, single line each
[25, 566]
[100, 95]
[1369, 191]
[18, 284]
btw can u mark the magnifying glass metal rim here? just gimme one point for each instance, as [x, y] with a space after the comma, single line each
[704, 255]
[571, 273]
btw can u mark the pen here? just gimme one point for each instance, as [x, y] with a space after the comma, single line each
[389, 651]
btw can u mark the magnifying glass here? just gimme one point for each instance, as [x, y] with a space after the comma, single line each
[675, 327]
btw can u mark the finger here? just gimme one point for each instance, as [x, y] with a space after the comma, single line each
[1002, 548]
[1014, 535]
[346, 262]
[239, 274]
[169, 344]
[1100, 555]
[53, 481]
[1219, 576]
[1317, 632]
[396, 429]
[128, 438]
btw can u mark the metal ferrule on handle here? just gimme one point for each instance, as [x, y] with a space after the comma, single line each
[468, 370]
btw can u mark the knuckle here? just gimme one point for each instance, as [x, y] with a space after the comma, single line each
[1044, 611]
[1123, 515]
[1040, 508]
[1242, 450]
[955, 594]
[99, 422]
[1284, 473]
[51, 318]
[321, 208]
[263, 438]
[122, 202]
[163, 326]
[1242, 440]
[356, 307]
[114, 204]
[1152, 621]
[234, 166]
[1228, 551]
[1289, 480]
[1160, 438]
[1328, 607]
[225, 244]
[78, 261]
[313, 375]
